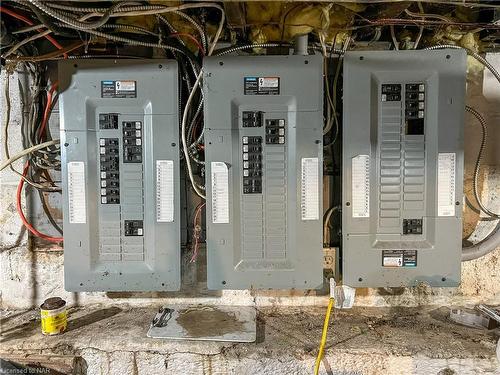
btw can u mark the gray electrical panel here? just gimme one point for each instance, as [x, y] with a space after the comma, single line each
[119, 137]
[263, 152]
[403, 167]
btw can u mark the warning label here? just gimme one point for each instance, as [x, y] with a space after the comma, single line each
[262, 85]
[399, 258]
[118, 89]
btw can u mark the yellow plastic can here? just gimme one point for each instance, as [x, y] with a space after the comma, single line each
[54, 316]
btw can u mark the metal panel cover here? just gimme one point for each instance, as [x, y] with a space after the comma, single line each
[263, 144]
[119, 131]
[403, 167]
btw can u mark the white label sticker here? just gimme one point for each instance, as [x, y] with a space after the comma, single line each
[361, 186]
[76, 193]
[310, 189]
[446, 184]
[269, 82]
[220, 193]
[393, 261]
[125, 85]
[164, 191]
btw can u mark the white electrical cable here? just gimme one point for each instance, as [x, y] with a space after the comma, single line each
[27, 151]
[198, 189]
[183, 137]
[23, 42]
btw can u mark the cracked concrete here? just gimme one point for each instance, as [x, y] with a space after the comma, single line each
[104, 340]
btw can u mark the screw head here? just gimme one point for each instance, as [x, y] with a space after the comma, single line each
[360, 279]
[347, 203]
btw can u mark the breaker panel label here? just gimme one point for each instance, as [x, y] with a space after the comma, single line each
[220, 193]
[262, 85]
[361, 186]
[310, 189]
[446, 184]
[76, 193]
[164, 191]
[118, 89]
[399, 258]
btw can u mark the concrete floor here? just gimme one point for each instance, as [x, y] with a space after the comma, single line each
[112, 340]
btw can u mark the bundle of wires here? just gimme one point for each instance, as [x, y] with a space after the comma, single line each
[196, 231]
[42, 151]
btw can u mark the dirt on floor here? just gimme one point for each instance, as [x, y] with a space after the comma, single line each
[424, 332]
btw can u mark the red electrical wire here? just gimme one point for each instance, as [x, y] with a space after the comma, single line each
[193, 39]
[46, 115]
[29, 22]
[46, 112]
[21, 213]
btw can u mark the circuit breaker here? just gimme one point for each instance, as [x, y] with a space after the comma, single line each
[120, 153]
[263, 152]
[403, 167]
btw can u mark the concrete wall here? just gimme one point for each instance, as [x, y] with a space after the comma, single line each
[29, 273]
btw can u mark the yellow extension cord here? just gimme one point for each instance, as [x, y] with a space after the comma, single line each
[322, 344]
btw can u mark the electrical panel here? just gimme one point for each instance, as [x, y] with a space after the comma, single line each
[263, 152]
[119, 141]
[403, 167]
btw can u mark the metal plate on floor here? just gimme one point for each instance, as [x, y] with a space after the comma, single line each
[206, 323]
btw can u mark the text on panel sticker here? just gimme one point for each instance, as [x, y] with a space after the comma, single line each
[76, 193]
[220, 193]
[164, 191]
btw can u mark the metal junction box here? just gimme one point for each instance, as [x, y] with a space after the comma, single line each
[403, 167]
[119, 137]
[263, 152]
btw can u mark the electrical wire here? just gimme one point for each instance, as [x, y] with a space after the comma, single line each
[248, 46]
[419, 37]
[49, 56]
[477, 166]
[23, 217]
[472, 53]
[75, 23]
[32, 38]
[47, 110]
[197, 188]
[427, 15]
[326, 221]
[326, 323]
[49, 104]
[190, 37]
[393, 37]
[196, 232]
[129, 11]
[27, 151]
[29, 22]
